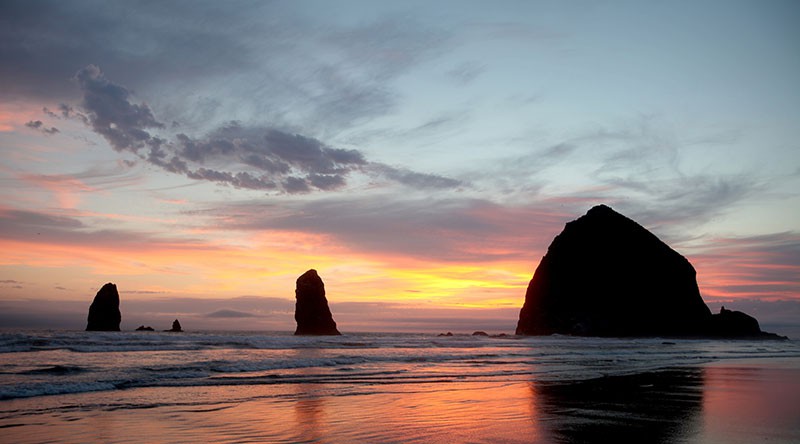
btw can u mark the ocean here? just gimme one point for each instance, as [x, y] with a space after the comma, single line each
[75, 386]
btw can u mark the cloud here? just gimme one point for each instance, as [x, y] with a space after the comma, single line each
[639, 167]
[446, 229]
[67, 188]
[275, 59]
[466, 72]
[254, 157]
[43, 313]
[45, 42]
[112, 115]
[66, 112]
[763, 267]
[306, 80]
[435, 129]
[414, 179]
[39, 126]
[678, 203]
[11, 283]
[54, 229]
[225, 313]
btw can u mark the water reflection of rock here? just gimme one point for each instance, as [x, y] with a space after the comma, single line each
[310, 413]
[658, 407]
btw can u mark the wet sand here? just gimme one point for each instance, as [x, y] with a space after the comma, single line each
[729, 402]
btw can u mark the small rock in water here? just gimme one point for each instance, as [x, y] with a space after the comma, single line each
[176, 327]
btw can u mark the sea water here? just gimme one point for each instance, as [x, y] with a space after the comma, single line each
[64, 378]
[45, 363]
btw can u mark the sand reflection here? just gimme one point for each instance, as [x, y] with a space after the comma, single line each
[753, 402]
[715, 404]
[310, 414]
[660, 407]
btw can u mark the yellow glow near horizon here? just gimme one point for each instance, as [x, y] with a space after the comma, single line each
[231, 264]
[267, 264]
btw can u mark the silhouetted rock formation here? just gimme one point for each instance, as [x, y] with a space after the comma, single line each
[143, 328]
[311, 309]
[638, 408]
[735, 324]
[480, 333]
[104, 312]
[606, 275]
[176, 327]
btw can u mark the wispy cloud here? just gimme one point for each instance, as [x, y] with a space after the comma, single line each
[53, 229]
[11, 283]
[466, 72]
[69, 188]
[255, 157]
[45, 40]
[234, 314]
[38, 125]
[448, 229]
[639, 166]
[760, 267]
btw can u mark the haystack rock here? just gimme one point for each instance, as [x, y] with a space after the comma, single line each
[606, 275]
[104, 312]
[311, 310]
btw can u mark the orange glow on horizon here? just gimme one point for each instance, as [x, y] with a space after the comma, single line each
[267, 264]
[211, 262]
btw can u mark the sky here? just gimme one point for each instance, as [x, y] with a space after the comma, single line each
[421, 156]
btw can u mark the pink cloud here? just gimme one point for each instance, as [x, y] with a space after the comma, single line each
[65, 188]
[760, 267]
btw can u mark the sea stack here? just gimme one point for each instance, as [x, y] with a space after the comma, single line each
[311, 309]
[735, 324]
[104, 314]
[606, 275]
[176, 327]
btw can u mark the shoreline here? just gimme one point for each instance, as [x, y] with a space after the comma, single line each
[715, 402]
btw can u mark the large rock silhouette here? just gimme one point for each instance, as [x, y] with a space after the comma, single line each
[104, 314]
[606, 275]
[311, 309]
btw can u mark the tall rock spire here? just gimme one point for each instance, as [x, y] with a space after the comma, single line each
[311, 309]
[104, 314]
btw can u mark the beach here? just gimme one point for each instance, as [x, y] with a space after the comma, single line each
[414, 388]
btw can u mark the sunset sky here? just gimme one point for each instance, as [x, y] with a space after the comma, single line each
[420, 155]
